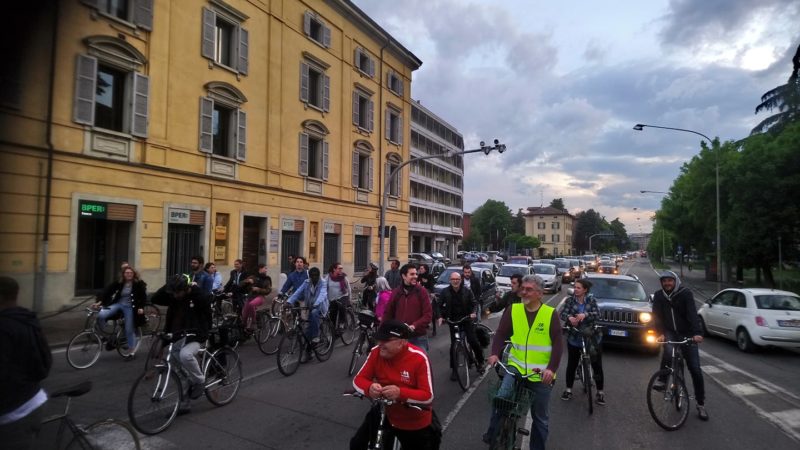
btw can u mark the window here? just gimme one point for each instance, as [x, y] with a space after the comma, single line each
[556, 238]
[362, 166]
[541, 225]
[314, 151]
[110, 93]
[556, 225]
[363, 62]
[223, 124]
[224, 41]
[542, 238]
[315, 29]
[395, 83]
[138, 12]
[315, 86]
[363, 110]
[394, 126]
[392, 165]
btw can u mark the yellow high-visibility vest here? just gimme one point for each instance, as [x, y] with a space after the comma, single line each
[530, 345]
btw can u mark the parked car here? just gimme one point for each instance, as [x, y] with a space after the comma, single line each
[549, 274]
[753, 317]
[487, 280]
[468, 257]
[482, 257]
[527, 260]
[495, 267]
[440, 257]
[420, 258]
[626, 310]
[437, 268]
[504, 275]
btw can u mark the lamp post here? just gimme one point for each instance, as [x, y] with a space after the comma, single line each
[382, 231]
[598, 234]
[640, 127]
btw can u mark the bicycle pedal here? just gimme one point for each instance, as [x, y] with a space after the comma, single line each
[523, 431]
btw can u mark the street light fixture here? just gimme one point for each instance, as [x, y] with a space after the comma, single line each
[595, 235]
[653, 192]
[640, 127]
[486, 149]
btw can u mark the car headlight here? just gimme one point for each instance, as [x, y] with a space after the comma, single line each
[645, 317]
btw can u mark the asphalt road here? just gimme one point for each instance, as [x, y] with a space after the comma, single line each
[753, 401]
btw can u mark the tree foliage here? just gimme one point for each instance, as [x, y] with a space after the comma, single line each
[493, 222]
[785, 98]
[558, 203]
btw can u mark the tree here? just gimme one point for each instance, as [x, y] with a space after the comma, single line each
[558, 203]
[492, 221]
[785, 98]
[587, 223]
[518, 223]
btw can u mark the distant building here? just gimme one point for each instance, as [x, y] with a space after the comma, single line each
[553, 227]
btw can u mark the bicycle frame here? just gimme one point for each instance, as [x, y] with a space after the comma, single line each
[382, 404]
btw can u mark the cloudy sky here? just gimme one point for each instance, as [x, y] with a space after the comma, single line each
[563, 83]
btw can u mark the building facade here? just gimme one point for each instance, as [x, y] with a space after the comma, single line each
[553, 227]
[151, 131]
[437, 184]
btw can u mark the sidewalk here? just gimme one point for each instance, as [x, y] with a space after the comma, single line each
[60, 327]
[696, 280]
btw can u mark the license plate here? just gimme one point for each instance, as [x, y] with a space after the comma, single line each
[789, 323]
[621, 333]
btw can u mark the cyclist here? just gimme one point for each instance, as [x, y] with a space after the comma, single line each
[314, 293]
[127, 296]
[534, 331]
[297, 277]
[199, 276]
[384, 295]
[188, 320]
[369, 278]
[458, 302]
[411, 304]
[398, 371]
[473, 283]
[233, 286]
[675, 318]
[216, 277]
[580, 311]
[262, 280]
[255, 299]
[510, 297]
[337, 285]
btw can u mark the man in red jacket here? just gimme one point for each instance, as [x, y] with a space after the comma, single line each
[399, 371]
[411, 304]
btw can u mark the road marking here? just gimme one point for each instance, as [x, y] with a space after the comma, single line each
[790, 417]
[745, 389]
[712, 369]
[463, 401]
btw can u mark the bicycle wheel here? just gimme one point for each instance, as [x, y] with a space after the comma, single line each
[261, 332]
[153, 317]
[290, 349]
[154, 400]
[586, 368]
[669, 408]
[155, 353]
[122, 342]
[461, 365]
[106, 431]
[84, 349]
[357, 354]
[506, 434]
[223, 376]
[276, 328]
[347, 324]
[324, 349]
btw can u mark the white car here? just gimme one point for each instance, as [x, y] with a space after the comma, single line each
[504, 275]
[550, 276]
[753, 317]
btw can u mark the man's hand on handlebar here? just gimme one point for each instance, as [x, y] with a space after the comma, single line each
[547, 376]
[697, 339]
[493, 360]
[391, 392]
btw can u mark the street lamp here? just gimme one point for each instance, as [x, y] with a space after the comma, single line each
[486, 149]
[653, 192]
[640, 127]
[594, 235]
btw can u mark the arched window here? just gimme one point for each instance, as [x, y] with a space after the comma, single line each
[363, 165]
[314, 150]
[223, 123]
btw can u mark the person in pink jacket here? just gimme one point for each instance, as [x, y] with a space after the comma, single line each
[384, 295]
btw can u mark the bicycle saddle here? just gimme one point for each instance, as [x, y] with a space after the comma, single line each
[73, 391]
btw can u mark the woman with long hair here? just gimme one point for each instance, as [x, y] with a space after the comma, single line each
[581, 312]
[384, 295]
[128, 296]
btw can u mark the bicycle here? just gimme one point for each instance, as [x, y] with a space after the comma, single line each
[88, 437]
[366, 335]
[376, 441]
[345, 323]
[669, 406]
[508, 408]
[84, 348]
[295, 348]
[157, 394]
[461, 354]
[271, 324]
[584, 372]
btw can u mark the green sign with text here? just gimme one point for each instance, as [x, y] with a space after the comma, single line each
[92, 210]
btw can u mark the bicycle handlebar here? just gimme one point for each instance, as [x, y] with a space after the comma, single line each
[683, 342]
[505, 368]
[385, 401]
[571, 328]
[456, 322]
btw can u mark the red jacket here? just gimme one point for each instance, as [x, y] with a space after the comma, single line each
[413, 308]
[409, 370]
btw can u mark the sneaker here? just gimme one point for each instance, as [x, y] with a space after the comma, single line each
[701, 412]
[196, 391]
[658, 386]
[184, 409]
[315, 340]
[129, 357]
[567, 395]
[601, 399]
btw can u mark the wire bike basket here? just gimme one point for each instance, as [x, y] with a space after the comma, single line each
[515, 402]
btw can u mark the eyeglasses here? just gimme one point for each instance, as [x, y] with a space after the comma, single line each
[455, 279]
[530, 289]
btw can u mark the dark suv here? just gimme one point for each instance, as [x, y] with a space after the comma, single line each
[625, 309]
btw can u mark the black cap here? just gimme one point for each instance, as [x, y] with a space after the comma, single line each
[392, 329]
[177, 283]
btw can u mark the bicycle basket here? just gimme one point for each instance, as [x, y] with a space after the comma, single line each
[517, 401]
[484, 338]
[366, 318]
[230, 332]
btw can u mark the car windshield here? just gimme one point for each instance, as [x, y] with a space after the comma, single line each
[544, 269]
[507, 271]
[779, 302]
[618, 289]
[515, 260]
[562, 264]
[444, 278]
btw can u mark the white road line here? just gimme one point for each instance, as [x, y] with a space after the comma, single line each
[463, 401]
[745, 389]
[761, 383]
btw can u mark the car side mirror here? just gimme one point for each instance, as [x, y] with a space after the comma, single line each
[708, 302]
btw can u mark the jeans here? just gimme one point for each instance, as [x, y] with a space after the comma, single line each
[420, 341]
[540, 410]
[691, 354]
[313, 323]
[185, 353]
[127, 313]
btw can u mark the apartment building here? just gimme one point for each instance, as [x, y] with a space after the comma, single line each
[553, 227]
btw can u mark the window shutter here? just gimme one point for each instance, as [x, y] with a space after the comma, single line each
[244, 44]
[206, 125]
[303, 154]
[85, 79]
[326, 36]
[304, 82]
[356, 167]
[371, 115]
[307, 23]
[209, 26]
[143, 14]
[399, 184]
[325, 160]
[141, 95]
[400, 130]
[400, 86]
[357, 58]
[388, 125]
[326, 94]
[371, 178]
[355, 108]
[241, 135]
[389, 79]
[371, 67]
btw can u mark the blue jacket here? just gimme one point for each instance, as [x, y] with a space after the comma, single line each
[294, 280]
[204, 281]
[316, 300]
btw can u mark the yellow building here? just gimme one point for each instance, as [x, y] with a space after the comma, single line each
[553, 227]
[150, 131]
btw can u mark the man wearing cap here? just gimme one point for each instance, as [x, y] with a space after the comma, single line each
[675, 318]
[399, 371]
[411, 304]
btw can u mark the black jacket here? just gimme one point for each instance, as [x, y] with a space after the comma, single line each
[25, 358]
[456, 305]
[190, 313]
[138, 291]
[676, 313]
[508, 299]
[232, 286]
[475, 287]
